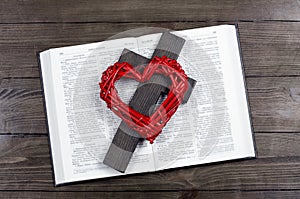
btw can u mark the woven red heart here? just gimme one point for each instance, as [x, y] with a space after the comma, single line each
[148, 127]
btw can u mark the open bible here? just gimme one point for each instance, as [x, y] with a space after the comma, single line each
[214, 125]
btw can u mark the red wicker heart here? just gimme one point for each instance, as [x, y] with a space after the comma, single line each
[148, 127]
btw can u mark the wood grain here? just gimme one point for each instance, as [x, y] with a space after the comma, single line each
[127, 11]
[270, 42]
[151, 195]
[274, 103]
[269, 49]
[25, 165]
[22, 110]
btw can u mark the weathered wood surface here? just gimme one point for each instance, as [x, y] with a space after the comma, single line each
[270, 42]
[274, 103]
[25, 165]
[269, 48]
[15, 11]
[151, 195]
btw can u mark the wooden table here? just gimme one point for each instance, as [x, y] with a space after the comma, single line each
[270, 42]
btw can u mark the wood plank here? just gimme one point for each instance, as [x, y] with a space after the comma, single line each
[277, 144]
[150, 195]
[21, 109]
[25, 165]
[270, 49]
[90, 195]
[19, 44]
[274, 103]
[127, 11]
[243, 195]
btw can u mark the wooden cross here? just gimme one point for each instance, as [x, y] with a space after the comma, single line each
[144, 99]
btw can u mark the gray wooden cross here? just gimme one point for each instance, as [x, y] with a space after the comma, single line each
[145, 97]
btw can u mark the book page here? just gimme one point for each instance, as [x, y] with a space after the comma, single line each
[214, 125]
[83, 127]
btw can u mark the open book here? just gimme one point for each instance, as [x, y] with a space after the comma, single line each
[213, 126]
